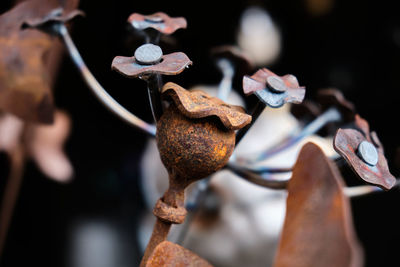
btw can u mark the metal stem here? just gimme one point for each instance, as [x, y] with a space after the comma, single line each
[154, 84]
[225, 86]
[97, 89]
[330, 115]
[258, 109]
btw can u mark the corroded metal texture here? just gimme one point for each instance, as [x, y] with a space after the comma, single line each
[193, 148]
[346, 143]
[198, 104]
[241, 62]
[328, 98]
[24, 71]
[273, 90]
[168, 254]
[170, 64]
[158, 21]
[318, 228]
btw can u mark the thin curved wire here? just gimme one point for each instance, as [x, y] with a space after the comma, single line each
[101, 94]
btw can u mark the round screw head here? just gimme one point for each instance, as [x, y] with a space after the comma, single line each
[154, 19]
[148, 54]
[276, 84]
[368, 153]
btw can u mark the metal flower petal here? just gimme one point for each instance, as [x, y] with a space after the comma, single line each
[56, 15]
[158, 21]
[235, 55]
[318, 228]
[198, 104]
[169, 254]
[272, 89]
[170, 64]
[334, 98]
[364, 153]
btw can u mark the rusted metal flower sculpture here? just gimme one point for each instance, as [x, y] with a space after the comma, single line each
[364, 153]
[24, 71]
[168, 254]
[149, 64]
[159, 21]
[318, 228]
[195, 138]
[273, 90]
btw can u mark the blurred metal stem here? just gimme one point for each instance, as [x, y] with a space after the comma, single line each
[97, 89]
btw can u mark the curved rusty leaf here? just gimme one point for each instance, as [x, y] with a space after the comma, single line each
[171, 64]
[198, 104]
[346, 143]
[158, 21]
[318, 228]
[168, 254]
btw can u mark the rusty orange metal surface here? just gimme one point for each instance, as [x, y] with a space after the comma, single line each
[318, 228]
[346, 143]
[195, 138]
[170, 64]
[158, 21]
[24, 74]
[198, 104]
[290, 91]
[168, 254]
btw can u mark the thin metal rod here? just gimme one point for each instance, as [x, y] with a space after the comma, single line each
[225, 86]
[97, 89]
[330, 115]
[258, 109]
[11, 192]
[154, 84]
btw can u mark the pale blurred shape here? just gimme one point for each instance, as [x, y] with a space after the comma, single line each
[95, 244]
[258, 36]
[46, 147]
[10, 132]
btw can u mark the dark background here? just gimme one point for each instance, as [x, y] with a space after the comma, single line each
[354, 47]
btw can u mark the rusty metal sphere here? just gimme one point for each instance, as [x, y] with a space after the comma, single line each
[193, 148]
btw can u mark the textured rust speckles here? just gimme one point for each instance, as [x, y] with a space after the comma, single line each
[193, 148]
[171, 64]
[347, 142]
[273, 90]
[318, 228]
[168, 254]
[158, 21]
[198, 104]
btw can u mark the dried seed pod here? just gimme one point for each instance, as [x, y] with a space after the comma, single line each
[364, 153]
[273, 90]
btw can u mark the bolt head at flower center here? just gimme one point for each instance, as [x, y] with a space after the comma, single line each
[368, 153]
[148, 54]
[276, 84]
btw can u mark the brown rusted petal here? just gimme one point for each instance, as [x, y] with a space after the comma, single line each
[306, 109]
[198, 104]
[363, 126]
[171, 64]
[55, 15]
[168, 254]
[333, 97]
[346, 142]
[257, 84]
[161, 22]
[236, 56]
[318, 228]
[24, 80]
